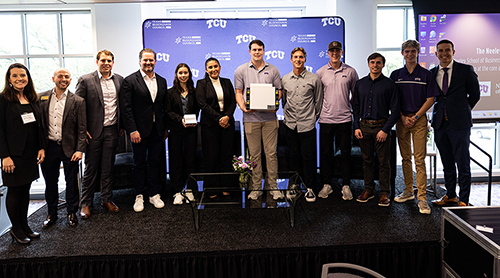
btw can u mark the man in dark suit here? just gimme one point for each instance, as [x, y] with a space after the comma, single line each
[64, 124]
[142, 100]
[452, 121]
[100, 91]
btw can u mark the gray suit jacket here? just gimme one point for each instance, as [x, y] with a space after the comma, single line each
[89, 88]
[74, 122]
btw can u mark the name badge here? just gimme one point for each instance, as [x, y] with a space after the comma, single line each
[28, 118]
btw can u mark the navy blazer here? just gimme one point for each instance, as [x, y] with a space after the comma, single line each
[209, 103]
[137, 106]
[74, 122]
[89, 88]
[174, 113]
[12, 138]
[463, 94]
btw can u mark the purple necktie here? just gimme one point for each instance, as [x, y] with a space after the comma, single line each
[444, 85]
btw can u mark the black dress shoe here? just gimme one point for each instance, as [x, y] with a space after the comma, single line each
[72, 219]
[19, 240]
[51, 220]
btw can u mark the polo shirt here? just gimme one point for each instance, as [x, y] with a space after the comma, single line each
[337, 86]
[247, 74]
[414, 88]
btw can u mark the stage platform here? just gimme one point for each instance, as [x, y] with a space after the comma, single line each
[396, 241]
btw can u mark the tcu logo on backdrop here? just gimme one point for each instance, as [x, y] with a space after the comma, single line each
[275, 54]
[216, 23]
[195, 73]
[162, 57]
[331, 21]
[244, 38]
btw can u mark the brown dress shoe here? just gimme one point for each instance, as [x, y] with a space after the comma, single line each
[384, 200]
[85, 212]
[445, 200]
[110, 207]
[462, 204]
[365, 196]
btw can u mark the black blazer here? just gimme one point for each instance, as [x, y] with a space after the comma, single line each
[137, 106]
[209, 104]
[174, 113]
[463, 94]
[74, 122]
[89, 88]
[12, 138]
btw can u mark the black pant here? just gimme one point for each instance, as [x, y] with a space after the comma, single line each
[147, 155]
[182, 158]
[54, 155]
[17, 203]
[342, 133]
[99, 161]
[302, 148]
[368, 147]
[218, 150]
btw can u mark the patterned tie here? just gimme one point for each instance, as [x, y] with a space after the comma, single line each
[444, 85]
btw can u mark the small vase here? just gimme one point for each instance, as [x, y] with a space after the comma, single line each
[244, 178]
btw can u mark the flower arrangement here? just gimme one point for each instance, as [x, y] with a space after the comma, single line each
[244, 167]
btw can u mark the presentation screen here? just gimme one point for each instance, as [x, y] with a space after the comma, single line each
[192, 41]
[477, 42]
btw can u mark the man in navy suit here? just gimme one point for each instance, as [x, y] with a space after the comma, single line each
[100, 91]
[65, 125]
[142, 101]
[452, 121]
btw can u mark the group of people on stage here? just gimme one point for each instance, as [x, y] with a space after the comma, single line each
[59, 126]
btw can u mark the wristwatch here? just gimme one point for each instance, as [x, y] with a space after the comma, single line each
[417, 117]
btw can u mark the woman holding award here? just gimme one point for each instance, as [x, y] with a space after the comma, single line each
[215, 96]
[181, 116]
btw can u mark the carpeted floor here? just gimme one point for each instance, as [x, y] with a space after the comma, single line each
[327, 222]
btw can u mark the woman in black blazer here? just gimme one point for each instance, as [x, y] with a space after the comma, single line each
[182, 139]
[21, 147]
[215, 96]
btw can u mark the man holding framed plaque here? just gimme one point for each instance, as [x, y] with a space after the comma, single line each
[260, 126]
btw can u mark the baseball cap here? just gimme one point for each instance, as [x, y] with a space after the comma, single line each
[335, 45]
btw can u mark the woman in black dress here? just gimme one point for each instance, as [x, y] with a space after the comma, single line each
[21, 147]
[182, 138]
[215, 96]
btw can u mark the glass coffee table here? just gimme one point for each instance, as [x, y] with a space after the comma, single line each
[224, 191]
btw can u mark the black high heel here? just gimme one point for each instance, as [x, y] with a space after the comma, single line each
[20, 241]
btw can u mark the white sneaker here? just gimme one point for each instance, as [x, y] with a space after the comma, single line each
[310, 196]
[156, 201]
[346, 193]
[178, 199]
[254, 195]
[405, 196]
[189, 196]
[327, 189]
[423, 207]
[277, 194]
[139, 203]
[292, 191]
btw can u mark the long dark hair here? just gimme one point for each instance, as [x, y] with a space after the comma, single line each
[11, 93]
[189, 83]
[208, 60]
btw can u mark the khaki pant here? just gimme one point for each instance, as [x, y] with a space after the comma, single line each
[419, 135]
[267, 133]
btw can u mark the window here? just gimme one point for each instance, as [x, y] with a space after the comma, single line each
[45, 41]
[394, 26]
[237, 12]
